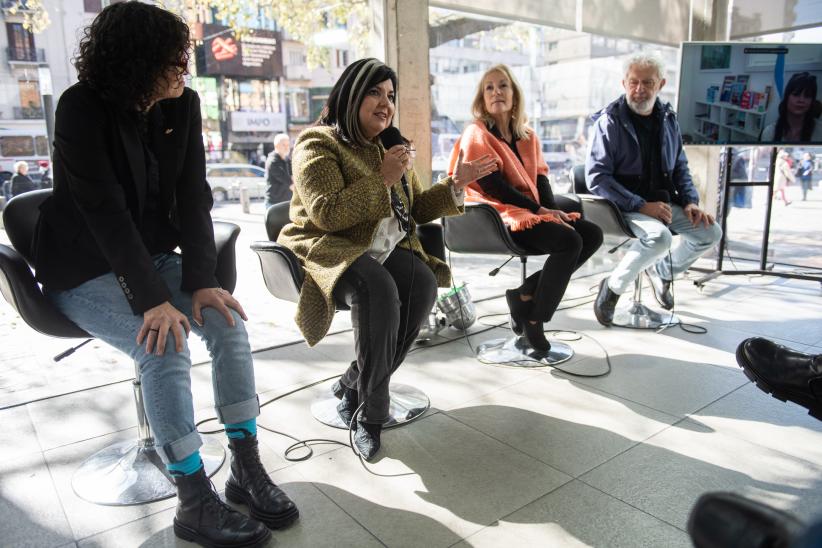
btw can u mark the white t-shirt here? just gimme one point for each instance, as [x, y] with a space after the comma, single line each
[389, 233]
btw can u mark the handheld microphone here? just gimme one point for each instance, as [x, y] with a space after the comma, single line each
[390, 137]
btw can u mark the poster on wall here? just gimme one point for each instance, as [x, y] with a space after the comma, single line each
[743, 93]
[256, 55]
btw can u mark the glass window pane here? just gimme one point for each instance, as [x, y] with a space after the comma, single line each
[755, 17]
[565, 75]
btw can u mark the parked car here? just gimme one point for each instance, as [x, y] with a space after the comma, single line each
[227, 179]
[558, 155]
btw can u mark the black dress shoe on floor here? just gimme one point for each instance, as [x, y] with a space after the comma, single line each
[726, 520]
[661, 288]
[518, 309]
[349, 401]
[786, 374]
[605, 304]
[367, 439]
[248, 483]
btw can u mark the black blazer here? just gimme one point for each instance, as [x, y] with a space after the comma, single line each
[91, 223]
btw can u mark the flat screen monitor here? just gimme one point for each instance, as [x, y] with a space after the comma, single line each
[735, 93]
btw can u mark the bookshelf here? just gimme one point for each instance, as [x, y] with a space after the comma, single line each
[725, 122]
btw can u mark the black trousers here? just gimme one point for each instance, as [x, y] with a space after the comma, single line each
[389, 303]
[568, 249]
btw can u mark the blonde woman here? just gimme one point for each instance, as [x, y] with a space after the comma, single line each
[520, 192]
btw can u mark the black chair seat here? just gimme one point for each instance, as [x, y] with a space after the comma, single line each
[20, 289]
[600, 211]
[283, 272]
[481, 231]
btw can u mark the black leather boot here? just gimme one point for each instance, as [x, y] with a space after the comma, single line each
[605, 304]
[661, 288]
[248, 483]
[349, 401]
[367, 439]
[205, 519]
[535, 335]
[786, 374]
[519, 310]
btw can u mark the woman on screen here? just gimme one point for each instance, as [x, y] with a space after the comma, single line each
[799, 112]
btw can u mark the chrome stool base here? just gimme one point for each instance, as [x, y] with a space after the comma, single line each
[128, 473]
[639, 316]
[516, 352]
[407, 403]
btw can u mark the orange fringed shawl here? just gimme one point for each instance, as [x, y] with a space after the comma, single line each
[476, 141]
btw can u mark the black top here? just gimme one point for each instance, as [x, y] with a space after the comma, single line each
[106, 212]
[159, 235]
[647, 130]
[497, 187]
[278, 178]
[21, 184]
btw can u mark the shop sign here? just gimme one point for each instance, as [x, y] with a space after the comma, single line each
[258, 121]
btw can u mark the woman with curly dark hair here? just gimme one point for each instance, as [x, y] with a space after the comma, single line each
[130, 188]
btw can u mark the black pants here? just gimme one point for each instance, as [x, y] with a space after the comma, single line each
[389, 303]
[568, 250]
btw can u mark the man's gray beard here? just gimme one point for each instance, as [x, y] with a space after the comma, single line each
[637, 107]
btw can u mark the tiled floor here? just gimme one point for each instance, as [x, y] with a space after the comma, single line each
[505, 456]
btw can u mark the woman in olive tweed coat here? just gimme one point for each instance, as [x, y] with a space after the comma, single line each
[352, 226]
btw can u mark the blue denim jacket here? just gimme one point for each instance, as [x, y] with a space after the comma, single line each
[614, 156]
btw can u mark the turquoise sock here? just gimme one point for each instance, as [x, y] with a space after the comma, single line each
[187, 466]
[239, 430]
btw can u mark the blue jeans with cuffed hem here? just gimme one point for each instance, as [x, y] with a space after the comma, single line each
[100, 307]
[652, 243]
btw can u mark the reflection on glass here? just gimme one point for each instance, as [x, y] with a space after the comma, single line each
[796, 214]
[566, 76]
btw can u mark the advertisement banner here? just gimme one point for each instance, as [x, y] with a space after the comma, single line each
[257, 55]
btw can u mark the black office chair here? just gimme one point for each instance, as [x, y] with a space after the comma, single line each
[283, 275]
[481, 231]
[128, 472]
[606, 214]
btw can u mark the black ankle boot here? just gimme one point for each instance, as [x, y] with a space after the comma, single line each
[519, 310]
[605, 304]
[248, 483]
[535, 335]
[367, 439]
[205, 519]
[349, 401]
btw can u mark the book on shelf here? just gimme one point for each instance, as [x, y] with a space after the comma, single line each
[725, 96]
[738, 88]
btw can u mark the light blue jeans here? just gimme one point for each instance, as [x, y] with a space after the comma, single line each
[99, 307]
[653, 240]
